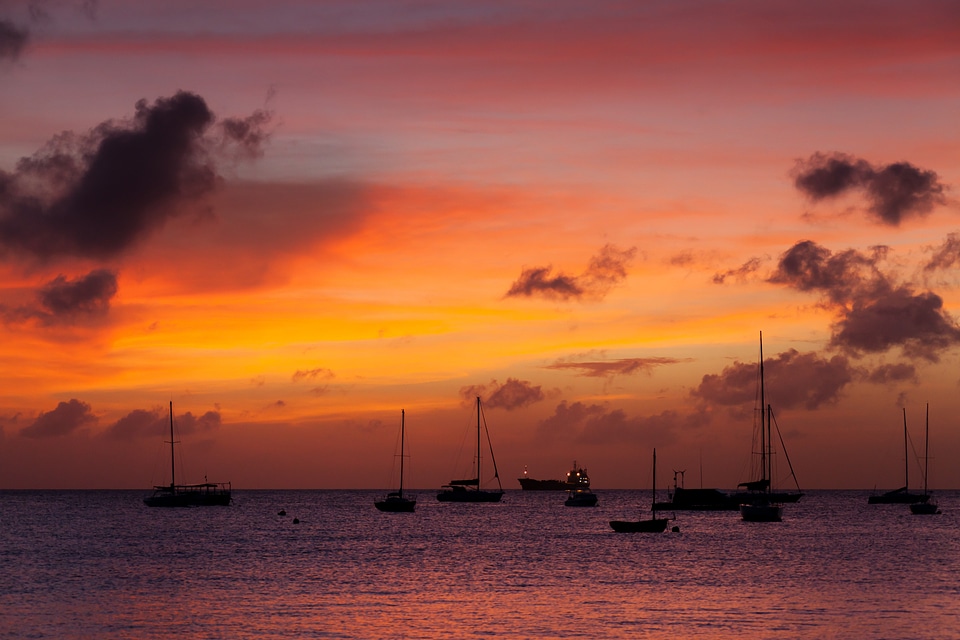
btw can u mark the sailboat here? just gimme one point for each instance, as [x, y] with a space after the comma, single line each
[207, 494]
[395, 501]
[758, 504]
[469, 490]
[926, 507]
[652, 525]
[903, 494]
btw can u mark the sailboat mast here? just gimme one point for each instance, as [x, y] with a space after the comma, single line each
[763, 427]
[926, 452]
[906, 458]
[478, 443]
[401, 452]
[653, 498]
[173, 467]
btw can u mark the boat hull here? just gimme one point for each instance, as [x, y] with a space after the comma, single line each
[531, 484]
[699, 500]
[581, 499]
[394, 504]
[761, 512]
[190, 496]
[898, 496]
[924, 508]
[463, 495]
[654, 525]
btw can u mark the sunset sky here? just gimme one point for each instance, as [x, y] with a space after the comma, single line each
[294, 219]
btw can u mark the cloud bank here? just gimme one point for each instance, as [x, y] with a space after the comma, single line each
[64, 420]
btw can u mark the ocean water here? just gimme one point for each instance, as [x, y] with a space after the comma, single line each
[99, 564]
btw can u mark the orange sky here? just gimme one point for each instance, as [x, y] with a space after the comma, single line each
[319, 215]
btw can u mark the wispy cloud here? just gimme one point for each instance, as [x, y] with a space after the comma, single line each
[946, 256]
[742, 272]
[605, 270]
[619, 367]
[12, 40]
[312, 374]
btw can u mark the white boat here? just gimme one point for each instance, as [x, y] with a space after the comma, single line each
[395, 501]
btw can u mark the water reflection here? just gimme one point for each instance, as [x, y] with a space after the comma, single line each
[99, 564]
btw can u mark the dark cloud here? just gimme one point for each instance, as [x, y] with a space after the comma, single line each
[97, 195]
[188, 423]
[312, 374]
[567, 420]
[917, 322]
[139, 423]
[593, 424]
[155, 423]
[875, 313]
[623, 366]
[63, 301]
[87, 295]
[538, 281]
[895, 191]
[792, 379]
[605, 270]
[841, 277]
[512, 394]
[12, 40]
[946, 256]
[65, 419]
[615, 427]
[892, 373]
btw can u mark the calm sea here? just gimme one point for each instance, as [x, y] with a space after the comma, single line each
[99, 564]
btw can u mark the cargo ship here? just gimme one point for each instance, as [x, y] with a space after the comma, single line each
[577, 478]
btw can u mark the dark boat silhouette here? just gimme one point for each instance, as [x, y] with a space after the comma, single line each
[577, 478]
[469, 490]
[582, 497]
[683, 499]
[927, 507]
[652, 525]
[395, 501]
[903, 495]
[206, 494]
[758, 502]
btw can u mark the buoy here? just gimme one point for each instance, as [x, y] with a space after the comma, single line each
[296, 521]
[282, 513]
